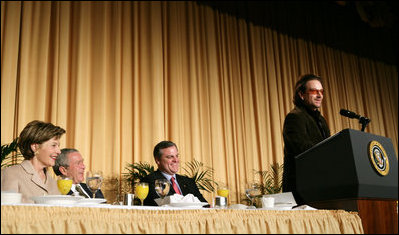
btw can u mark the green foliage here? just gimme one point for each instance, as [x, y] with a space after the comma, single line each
[137, 171]
[10, 154]
[272, 180]
[202, 175]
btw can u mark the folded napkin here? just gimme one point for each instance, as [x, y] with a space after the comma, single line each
[283, 199]
[177, 198]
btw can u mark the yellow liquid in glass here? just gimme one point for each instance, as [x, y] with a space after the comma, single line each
[223, 192]
[64, 186]
[141, 191]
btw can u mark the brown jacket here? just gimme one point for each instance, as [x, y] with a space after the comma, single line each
[23, 178]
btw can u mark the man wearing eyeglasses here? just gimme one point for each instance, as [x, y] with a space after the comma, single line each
[304, 127]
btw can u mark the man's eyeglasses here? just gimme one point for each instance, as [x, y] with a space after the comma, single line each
[315, 91]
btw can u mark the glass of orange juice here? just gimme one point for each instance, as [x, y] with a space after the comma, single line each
[223, 191]
[64, 184]
[141, 191]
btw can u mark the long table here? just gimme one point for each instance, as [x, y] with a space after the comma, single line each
[105, 219]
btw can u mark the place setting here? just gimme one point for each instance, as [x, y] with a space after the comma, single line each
[64, 184]
[162, 187]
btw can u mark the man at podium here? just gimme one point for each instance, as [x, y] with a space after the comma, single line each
[304, 127]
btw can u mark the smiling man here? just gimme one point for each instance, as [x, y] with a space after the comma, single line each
[166, 157]
[70, 163]
[304, 127]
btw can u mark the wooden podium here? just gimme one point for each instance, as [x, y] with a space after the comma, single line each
[354, 171]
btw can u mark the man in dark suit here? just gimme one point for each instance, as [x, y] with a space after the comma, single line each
[303, 127]
[166, 156]
[70, 163]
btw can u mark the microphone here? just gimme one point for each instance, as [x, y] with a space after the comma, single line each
[363, 120]
[349, 114]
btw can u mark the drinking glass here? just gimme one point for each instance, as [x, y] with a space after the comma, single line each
[222, 191]
[94, 180]
[142, 191]
[64, 184]
[162, 187]
[252, 191]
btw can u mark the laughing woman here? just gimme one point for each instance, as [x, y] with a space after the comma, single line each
[39, 143]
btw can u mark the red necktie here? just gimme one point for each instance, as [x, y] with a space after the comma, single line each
[174, 185]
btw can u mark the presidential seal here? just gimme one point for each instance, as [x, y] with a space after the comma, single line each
[378, 158]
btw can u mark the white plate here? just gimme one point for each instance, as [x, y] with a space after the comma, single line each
[57, 199]
[188, 204]
[91, 201]
[10, 197]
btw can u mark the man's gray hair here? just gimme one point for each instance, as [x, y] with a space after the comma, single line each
[62, 160]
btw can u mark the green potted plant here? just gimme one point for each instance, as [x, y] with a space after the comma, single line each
[271, 183]
[272, 179]
[202, 175]
[136, 172]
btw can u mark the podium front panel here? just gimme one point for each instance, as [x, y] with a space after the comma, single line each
[340, 167]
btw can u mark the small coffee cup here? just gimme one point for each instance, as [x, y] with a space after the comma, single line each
[267, 202]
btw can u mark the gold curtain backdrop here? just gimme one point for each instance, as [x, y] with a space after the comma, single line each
[122, 76]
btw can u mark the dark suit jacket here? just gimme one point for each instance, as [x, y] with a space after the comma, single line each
[300, 132]
[99, 194]
[187, 185]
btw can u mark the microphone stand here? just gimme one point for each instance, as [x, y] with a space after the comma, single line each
[364, 121]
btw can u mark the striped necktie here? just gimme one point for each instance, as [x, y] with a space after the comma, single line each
[174, 185]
